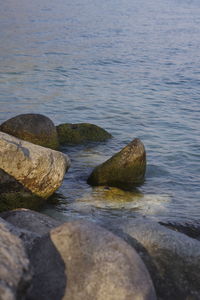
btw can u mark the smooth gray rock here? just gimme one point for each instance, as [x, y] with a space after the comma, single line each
[30, 220]
[40, 170]
[27, 237]
[15, 274]
[172, 258]
[80, 260]
[124, 169]
[34, 128]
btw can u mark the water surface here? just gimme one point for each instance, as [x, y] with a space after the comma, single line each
[132, 67]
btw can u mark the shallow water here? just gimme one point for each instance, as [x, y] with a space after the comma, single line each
[132, 67]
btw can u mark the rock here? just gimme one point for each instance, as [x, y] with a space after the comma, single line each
[189, 228]
[38, 169]
[124, 169]
[27, 237]
[30, 220]
[172, 258]
[15, 274]
[80, 260]
[34, 128]
[17, 199]
[80, 133]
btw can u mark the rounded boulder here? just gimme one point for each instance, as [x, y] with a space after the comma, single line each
[80, 133]
[80, 260]
[34, 128]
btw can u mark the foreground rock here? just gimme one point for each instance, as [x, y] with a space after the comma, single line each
[38, 169]
[30, 220]
[80, 133]
[124, 169]
[34, 128]
[172, 258]
[79, 260]
[15, 275]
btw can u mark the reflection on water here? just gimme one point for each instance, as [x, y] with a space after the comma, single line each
[131, 67]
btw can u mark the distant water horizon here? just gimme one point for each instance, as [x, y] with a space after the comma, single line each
[132, 67]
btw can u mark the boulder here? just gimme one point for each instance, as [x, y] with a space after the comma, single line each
[124, 169]
[172, 258]
[16, 199]
[80, 260]
[80, 133]
[30, 220]
[27, 237]
[38, 169]
[15, 274]
[34, 128]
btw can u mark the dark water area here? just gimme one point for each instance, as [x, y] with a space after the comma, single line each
[132, 67]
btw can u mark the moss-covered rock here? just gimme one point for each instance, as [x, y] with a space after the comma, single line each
[34, 128]
[125, 169]
[13, 200]
[80, 133]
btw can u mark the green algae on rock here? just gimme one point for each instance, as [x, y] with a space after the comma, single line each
[34, 128]
[14, 200]
[80, 133]
[125, 169]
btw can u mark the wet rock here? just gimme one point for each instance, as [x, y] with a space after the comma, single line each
[80, 133]
[36, 168]
[17, 199]
[172, 258]
[189, 228]
[124, 169]
[34, 128]
[80, 260]
[15, 274]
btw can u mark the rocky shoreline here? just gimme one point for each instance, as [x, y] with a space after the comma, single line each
[42, 258]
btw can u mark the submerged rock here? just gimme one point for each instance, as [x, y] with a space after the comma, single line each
[172, 258]
[80, 133]
[124, 169]
[36, 168]
[80, 260]
[34, 128]
[15, 275]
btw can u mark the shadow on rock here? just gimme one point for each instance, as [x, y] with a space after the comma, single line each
[49, 280]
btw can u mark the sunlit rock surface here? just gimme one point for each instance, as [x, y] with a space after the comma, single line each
[40, 170]
[124, 169]
[172, 258]
[80, 260]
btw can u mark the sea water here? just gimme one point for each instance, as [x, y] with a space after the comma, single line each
[130, 66]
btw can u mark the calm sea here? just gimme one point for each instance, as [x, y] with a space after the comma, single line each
[130, 66]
